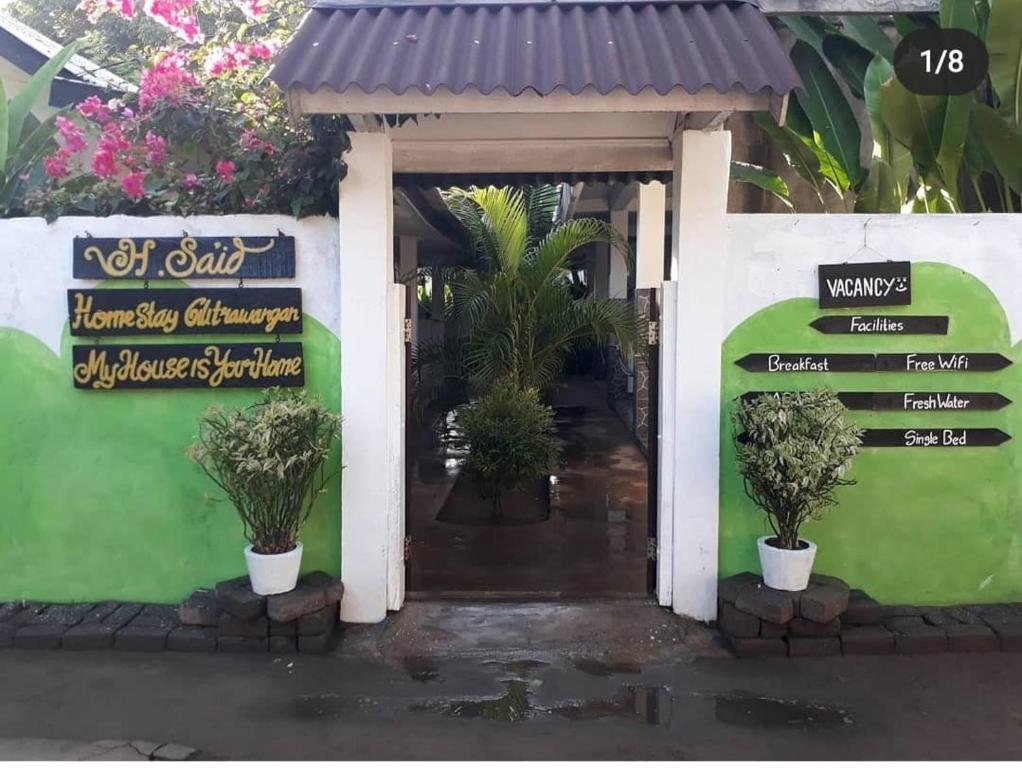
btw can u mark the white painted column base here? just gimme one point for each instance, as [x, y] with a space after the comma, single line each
[701, 173]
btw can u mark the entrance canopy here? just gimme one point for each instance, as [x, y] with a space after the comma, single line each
[574, 90]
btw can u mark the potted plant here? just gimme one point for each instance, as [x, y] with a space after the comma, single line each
[793, 450]
[269, 459]
[510, 440]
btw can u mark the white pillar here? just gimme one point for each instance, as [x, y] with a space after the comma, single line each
[408, 253]
[617, 283]
[699, 234]
[649, 239]
[367, 269]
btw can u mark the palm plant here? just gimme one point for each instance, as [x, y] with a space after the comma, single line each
[515, 308]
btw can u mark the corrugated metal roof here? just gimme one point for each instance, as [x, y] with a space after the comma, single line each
[520, 46]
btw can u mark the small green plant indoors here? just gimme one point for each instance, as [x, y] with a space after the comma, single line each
[269, 459]
[794, 449]
[511, 441]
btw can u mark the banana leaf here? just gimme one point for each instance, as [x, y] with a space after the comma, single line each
[1004, 44]
[829, 111]
[849, 59]
[21, 105]
[886, 146]
[808, 29]
[1002, 141]
[870, 35]
[880, 192]
[762, 178]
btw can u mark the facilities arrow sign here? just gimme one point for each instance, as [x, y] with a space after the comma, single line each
[883, 325]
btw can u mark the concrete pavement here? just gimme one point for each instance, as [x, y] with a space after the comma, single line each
[402, 691]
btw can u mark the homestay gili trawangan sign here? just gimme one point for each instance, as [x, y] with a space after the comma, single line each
[194, 258]
[876, 284]
[191, 311]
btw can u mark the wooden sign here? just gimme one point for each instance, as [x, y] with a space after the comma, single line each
[889, 325]
[936, 362]
[915, 401]
[877, 284]
[770, 362]
[195, 258]
[188, 311]
[954, 437]
[188, 366]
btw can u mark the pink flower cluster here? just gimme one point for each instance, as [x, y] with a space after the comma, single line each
[254, 9]
[167, 81]
[94, 9]
[176, 15]
[238, 57]
[251, 142]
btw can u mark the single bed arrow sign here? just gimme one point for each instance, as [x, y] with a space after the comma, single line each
[937, 437]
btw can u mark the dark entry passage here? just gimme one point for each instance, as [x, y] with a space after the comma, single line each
[584, 535]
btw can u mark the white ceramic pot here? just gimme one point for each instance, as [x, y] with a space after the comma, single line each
[273, 574]
[786, 569]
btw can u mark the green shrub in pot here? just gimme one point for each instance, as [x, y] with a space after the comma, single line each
[270, 461]
[794, 449]
[510, 437]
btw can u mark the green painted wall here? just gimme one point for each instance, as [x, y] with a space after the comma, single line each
[924, 526]
[97, 497]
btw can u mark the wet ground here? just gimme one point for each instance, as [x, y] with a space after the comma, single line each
[591, 541]
[386, 692]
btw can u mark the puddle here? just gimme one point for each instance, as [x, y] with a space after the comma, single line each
[514, 705]
[764, 712]
[422, 670]
[327, 705]
[599, 668]
[648, 704]
[651, 705]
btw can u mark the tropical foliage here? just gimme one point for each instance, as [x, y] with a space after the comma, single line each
[511, 441]
[23, 139]
[269, 460]
[205, 131]
[793, 450]
[929, 153]
[515, 308]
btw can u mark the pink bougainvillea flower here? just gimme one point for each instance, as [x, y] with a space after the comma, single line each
[71, 135]
[250, 142]
[177, 16]
[191, 181]
[167, 81]
[156, 148]
[238, 57]
[94, 109]
[94, 9]
[55, 165]
[225, 170]
[104, 164]
[134, 185]
[254, 9]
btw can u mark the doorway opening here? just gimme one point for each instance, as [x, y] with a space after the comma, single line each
[585, 528]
